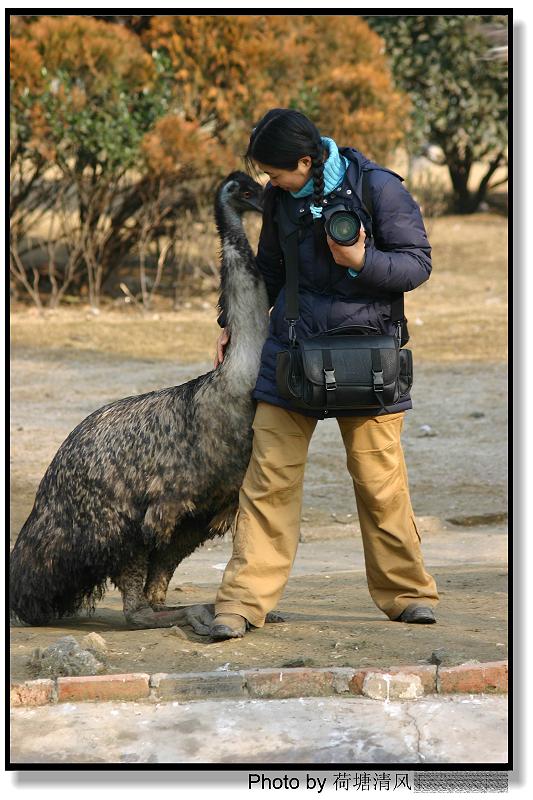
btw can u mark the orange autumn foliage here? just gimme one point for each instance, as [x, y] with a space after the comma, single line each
[96, 53]
[225, 72]
[83, 64]
[229, 70]
[177, 146]
[155, 118]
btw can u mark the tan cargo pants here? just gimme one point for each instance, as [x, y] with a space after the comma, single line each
[267, 526]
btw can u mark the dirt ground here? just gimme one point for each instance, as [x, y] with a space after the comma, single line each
[330, 619]
[70, 362]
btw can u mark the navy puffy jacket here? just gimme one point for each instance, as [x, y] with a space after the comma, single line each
[397, 259]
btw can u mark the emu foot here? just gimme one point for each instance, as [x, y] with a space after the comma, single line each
[273, 616]
[202, 616]
[199, 617]
[147, 617]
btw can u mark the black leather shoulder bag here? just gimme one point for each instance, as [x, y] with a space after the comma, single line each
[345, 368]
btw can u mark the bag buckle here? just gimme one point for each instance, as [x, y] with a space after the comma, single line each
[330, 379]
[378, 380]
[292, 332]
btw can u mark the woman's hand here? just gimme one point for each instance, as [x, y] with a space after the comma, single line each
[352, 256]
[222, 342]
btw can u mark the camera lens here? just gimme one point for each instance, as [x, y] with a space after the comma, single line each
[343, 227]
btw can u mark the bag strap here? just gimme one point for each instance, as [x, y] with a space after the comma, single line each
[329, 377]
[292, 309]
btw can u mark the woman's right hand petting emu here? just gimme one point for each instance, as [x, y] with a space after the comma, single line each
[222, 342]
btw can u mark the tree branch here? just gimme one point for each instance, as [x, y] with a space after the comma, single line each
[498, 183]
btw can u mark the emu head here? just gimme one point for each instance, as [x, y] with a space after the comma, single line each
[240, 193]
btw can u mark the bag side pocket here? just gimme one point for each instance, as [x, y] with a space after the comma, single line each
[405, 378]
[289, 375]
[283, 368]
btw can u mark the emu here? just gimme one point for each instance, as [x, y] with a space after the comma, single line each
[142, 482]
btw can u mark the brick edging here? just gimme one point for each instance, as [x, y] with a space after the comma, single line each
[395, 683]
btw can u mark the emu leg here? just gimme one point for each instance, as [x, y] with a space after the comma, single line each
[137, 611]
[162, 564]
[164, 560]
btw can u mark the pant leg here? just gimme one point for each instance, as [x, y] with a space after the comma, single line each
[267, 526]
[391, 542]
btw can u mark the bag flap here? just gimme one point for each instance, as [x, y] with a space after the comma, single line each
[351, 357]
[339, 342]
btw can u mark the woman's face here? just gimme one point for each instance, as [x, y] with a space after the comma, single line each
[290, 180]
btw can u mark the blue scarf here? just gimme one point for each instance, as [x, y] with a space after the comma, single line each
[334, 171]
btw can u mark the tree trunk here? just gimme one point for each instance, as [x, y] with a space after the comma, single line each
[466, 201]
[459, 169]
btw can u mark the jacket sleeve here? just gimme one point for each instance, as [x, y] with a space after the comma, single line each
[269, 258]
[398, 257]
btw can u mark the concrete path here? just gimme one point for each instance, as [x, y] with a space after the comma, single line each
[355, 731]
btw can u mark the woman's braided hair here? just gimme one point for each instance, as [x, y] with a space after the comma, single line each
[317, 173]
[280, 139]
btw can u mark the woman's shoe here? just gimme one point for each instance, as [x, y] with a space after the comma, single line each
[420, 614]
[228, 626]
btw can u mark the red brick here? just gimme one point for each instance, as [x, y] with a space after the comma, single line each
[131, 686]
[33, 693]
[293, 682]
[490, 676]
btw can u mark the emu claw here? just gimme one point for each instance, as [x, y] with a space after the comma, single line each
[199, 617]
[273, 616]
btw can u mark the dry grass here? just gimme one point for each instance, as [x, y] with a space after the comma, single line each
[460, 314]
[463, 306]
[399, 163]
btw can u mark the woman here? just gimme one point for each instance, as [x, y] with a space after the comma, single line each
[338, 286]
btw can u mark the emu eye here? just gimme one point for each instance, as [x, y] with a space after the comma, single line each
[246, 194]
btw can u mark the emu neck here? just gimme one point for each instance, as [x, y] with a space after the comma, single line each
[245, 301]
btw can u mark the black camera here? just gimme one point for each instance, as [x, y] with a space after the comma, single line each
[342, 225]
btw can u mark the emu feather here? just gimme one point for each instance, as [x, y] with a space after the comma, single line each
[142, 482]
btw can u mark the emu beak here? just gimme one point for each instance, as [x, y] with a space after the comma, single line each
[258, 207]
[256, 204]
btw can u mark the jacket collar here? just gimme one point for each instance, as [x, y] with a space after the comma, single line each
[349, 188]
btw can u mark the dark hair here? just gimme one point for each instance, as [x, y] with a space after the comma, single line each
[281, 138]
